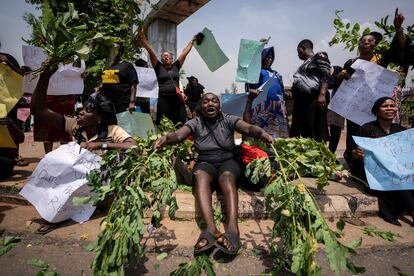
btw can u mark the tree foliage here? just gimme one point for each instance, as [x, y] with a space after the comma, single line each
[110, 20]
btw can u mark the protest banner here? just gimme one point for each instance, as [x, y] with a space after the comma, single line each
[235, 103]
[59, 177]
[6, 141]
[389, 161]
[249, 61]
[67, 80]
[210, 51]
[10, 88]
[136, 123]
[355, 97]
[148, 83]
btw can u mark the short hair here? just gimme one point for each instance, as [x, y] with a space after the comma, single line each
[376, 107]
[102, 105]
[376, 35]
[208, 93]
[306, 44]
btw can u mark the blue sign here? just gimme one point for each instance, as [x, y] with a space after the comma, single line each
[389, 161]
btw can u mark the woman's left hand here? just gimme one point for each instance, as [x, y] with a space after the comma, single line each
[91, 145]
[267, 137]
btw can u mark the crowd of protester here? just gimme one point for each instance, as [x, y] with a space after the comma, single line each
[315, 82]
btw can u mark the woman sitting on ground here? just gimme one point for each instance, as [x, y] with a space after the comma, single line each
[391, 203]
[213, 134]
[94, 128]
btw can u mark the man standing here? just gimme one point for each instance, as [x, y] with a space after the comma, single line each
[310, 86]
[193, 91]
[119, 82]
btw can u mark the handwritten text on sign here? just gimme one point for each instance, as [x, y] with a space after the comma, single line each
[389, 161]
[356, 96]
[59, 177]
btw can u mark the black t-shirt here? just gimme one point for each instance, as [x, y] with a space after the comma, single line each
[168, 79]
[194, 93]
[117, 80]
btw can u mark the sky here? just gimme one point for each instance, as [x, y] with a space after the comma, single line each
[286, 21]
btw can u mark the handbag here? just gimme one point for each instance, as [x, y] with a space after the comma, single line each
[178, 91]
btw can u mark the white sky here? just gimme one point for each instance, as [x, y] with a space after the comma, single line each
[286, 21]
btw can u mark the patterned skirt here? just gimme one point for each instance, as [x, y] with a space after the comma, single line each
[44, 133]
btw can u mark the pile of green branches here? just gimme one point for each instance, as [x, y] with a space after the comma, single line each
[141, 179]
[299, 225]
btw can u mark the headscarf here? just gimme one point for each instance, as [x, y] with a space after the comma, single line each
[268, 52]
[378, 103]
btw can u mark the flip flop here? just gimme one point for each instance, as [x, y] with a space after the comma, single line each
[46, 227]
[205, 235]
[234, 240]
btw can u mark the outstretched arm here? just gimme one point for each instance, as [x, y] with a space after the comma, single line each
[128, 143]
[399, 31]
[173, 138]
[253, 131]
[140, 36]
[38, 104]
[186, 50]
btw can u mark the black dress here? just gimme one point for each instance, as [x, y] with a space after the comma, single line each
[391, 203]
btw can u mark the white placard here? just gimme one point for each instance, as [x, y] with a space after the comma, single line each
[148, 84]
[59, 177]
[66, 80]
[356, 96]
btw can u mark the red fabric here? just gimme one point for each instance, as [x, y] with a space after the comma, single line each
[250, 153]
[42, 132]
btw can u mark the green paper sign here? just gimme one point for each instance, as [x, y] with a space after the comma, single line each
[249, 61]
[210, 51]
[135, 123]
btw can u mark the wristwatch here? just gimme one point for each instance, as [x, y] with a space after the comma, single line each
[104, 146]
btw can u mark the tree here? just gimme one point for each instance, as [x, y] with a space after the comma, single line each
[106, 21]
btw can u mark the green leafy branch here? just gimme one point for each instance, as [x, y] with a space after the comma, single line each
[348, 34]
[44, 266]
[7, 243]
[196, 267]
[141, 179]
[299, 225]
[386, 235]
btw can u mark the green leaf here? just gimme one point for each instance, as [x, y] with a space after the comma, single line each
[11, 239]
[78, 201]
[162, 256]
[355, 243]
[38, 263]
[91, 246]
[83, 52]
[340, 225]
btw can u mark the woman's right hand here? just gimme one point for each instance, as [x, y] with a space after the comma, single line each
[358, 153]
[343, 75]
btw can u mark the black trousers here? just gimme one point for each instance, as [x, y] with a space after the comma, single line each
[172, 108]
